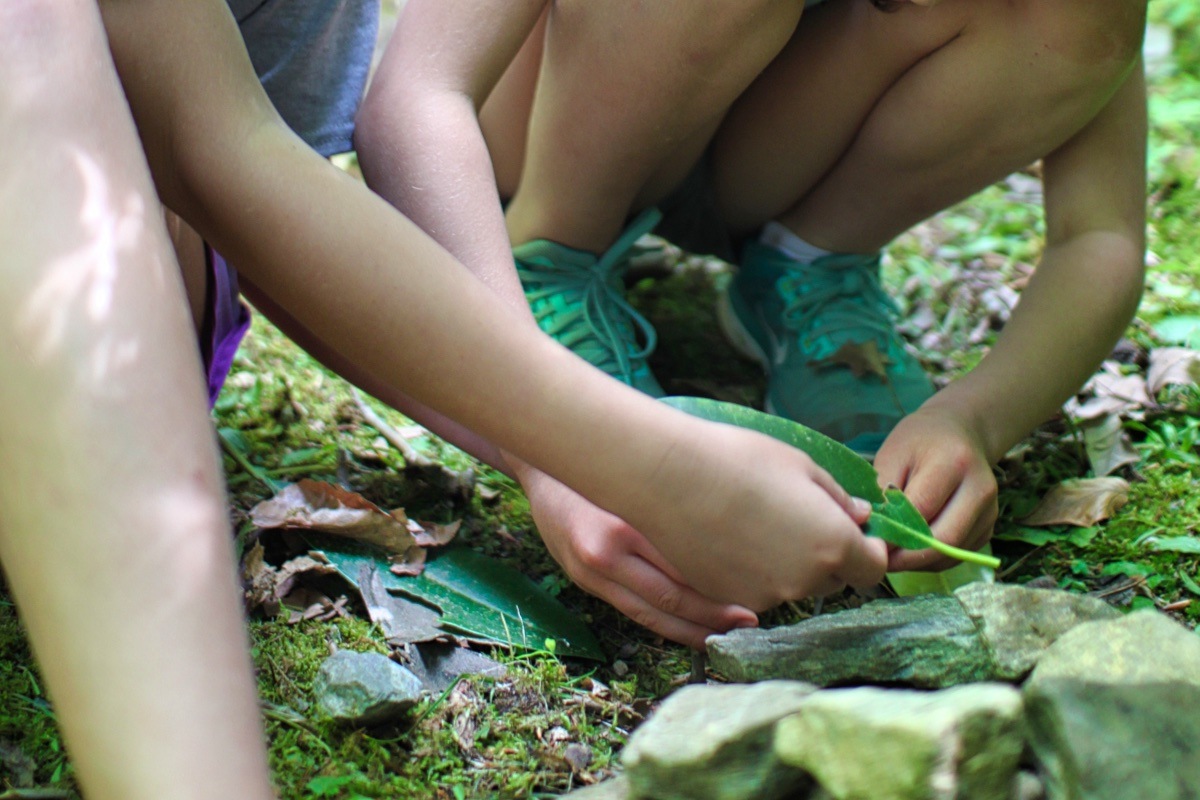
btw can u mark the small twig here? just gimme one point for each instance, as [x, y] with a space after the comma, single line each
[699, 667]
[1178, 605]
[412, 457]
[1013, 566]
[245, 463]
[1133, 583]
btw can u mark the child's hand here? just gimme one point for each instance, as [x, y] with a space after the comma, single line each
[749, 520]
[939, 460]
[606, 557]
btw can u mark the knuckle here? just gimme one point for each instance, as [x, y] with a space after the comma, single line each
[593, 556]
[668, 599]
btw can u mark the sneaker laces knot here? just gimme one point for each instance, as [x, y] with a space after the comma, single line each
[586, 310]
[837, 299]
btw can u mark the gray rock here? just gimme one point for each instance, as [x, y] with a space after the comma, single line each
[1029, 787]
[926, 641]
[1104, 741]
[714, 743]
[1142, 647]
[1018, 624]
[893, 744]
[364, 688]
[615, 789]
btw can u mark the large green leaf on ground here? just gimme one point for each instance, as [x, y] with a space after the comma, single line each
[893, 518]
[478, 597]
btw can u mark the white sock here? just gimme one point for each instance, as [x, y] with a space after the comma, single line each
[775, 235]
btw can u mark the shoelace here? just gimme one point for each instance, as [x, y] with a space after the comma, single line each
[837, 294]
[591, 316]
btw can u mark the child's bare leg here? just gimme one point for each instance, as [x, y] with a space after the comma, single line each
[849, 151]
[113, 533]
[628, 96]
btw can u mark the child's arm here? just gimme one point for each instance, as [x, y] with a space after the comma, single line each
[1077, 305]
[378, 291]
[421, 147]
[113, 525]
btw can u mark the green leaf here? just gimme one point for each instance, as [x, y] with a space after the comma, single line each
[852, 472]
[1189, 583]
[477, 596]
[1175, 544]
[329, 785]
[1182, 330]
[894, 519]
[907, 584]
[1034, 536]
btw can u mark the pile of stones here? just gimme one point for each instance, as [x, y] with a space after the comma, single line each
[998, 692]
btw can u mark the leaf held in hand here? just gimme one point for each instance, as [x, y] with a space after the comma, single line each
[893, 518]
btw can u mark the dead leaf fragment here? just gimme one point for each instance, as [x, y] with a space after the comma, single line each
[1172, 365]
[323, 507]
[403, 621]
[1108, 446]
[431, 534]
[863, 358]
[410, 564]
[1081, 502]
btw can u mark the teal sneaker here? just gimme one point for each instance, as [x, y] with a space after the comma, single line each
[578, 299]
[826, 334]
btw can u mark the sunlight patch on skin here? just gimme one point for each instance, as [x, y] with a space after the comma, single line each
[81, 284]
[190, 545]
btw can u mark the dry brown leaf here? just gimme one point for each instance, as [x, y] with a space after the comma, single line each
[432, 534]
[863, 358]
[1108, 446]
[411, 563]
[403, 621]
[323, 507]
[1081, 502]
[1172, 365]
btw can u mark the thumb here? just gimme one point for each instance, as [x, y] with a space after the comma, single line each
[856, 507]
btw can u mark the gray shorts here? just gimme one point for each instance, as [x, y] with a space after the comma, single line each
[313, 58]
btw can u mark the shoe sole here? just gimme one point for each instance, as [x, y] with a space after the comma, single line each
[748, 347]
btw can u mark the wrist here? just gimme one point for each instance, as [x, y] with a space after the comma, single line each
[981, 420]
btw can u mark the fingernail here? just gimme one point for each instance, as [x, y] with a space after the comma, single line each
[861, 507]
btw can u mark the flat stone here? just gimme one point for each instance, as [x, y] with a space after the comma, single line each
[1105, 741]
[926, 641]
[714, 743]
[869, 743]
[364, 688]
[1018, 624]
[1142, 647]
[614, 789]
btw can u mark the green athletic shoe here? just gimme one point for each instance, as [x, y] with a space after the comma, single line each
[826, 334]
[578, 299]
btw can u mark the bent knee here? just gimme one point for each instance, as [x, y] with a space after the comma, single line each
[1103, 38]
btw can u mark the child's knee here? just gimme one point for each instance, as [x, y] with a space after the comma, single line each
[1102, 39]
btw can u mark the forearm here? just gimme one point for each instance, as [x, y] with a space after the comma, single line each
[363, 278]
[1073, 311]
[113, 530]
[425, 154]
[419, 137]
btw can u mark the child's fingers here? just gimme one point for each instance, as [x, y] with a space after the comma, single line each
[856, 507]
[643, 612]
[865, 562]
[677, 600]
[965, 521]
[732, 616]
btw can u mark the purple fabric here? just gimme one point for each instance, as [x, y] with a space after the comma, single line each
[227, 320]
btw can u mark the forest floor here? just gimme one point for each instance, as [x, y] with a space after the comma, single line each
[555, 723]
